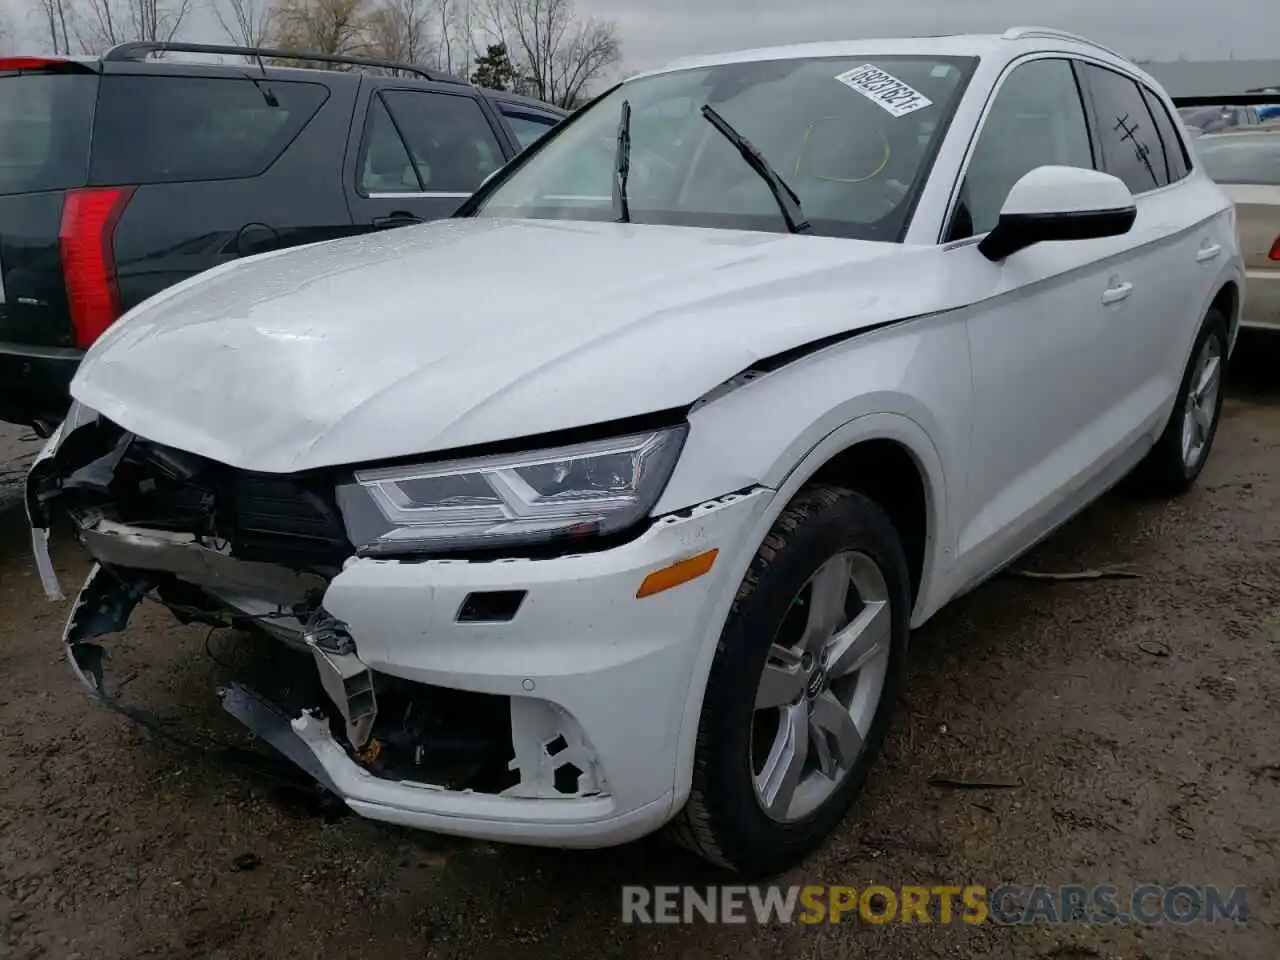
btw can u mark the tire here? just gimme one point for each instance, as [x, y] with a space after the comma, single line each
[725, 820]
[1168, 469]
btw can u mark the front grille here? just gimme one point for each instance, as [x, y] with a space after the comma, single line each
[271, 518]
[280, 519]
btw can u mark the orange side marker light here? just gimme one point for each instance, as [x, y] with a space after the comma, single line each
[676, 574]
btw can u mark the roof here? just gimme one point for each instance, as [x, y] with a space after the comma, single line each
[531, 102]
[122, 59]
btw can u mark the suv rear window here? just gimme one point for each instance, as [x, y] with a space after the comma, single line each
[44, 130]
[163, 129]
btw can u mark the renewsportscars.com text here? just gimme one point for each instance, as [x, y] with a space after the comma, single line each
[1007, 904]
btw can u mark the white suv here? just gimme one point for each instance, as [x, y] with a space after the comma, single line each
[611, 503]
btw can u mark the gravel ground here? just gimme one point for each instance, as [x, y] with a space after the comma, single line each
[1132, 767]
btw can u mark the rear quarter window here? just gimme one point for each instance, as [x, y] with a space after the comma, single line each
[157, 129]
[45, 120]
[1177, 163]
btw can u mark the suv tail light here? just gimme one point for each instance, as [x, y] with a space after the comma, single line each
[86, 239]
[30, 63]
[1275, 250]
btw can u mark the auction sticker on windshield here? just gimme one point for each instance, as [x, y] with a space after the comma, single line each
[884, 89]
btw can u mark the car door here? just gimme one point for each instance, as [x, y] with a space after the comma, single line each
[527, 126]
[421, 153]
[1177, 246]
[1044, 335]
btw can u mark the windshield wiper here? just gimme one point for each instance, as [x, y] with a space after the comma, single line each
[788, 202]
[622, 166]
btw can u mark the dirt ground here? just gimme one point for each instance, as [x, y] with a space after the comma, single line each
[1138, 716]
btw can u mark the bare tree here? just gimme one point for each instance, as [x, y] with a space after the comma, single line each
[557, 52]
[457, 47]
[403, 30]
[104, 23]
[55, 15]
[247, 23]
[335, 27]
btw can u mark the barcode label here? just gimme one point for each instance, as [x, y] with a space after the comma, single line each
[885, 90]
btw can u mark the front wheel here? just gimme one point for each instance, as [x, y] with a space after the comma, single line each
[1182, 450]
[802, 686]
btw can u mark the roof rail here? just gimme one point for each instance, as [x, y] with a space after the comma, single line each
[1052, 33]
[141, 49]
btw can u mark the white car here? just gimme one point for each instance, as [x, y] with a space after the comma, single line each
[610, 504]
[1246, 164]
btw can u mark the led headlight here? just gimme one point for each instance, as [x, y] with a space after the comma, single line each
[582, 490]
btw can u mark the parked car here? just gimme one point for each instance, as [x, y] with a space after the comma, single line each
[1246, 164]
[122, 175]
[1268, 112]
[609, 504]
[1222, 117]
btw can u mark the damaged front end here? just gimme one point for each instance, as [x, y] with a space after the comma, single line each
[226, 547]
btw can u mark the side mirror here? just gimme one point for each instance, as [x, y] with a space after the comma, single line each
[1060, 203]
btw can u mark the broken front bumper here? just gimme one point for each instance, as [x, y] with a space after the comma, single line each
[596, 678]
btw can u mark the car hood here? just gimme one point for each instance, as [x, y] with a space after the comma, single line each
[461, 332]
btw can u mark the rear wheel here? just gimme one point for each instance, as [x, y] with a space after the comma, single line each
[802, 685]
[1182, 450]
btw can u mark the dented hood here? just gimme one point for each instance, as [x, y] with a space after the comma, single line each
[467, 331]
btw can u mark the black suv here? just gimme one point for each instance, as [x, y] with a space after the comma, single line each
[122, 175]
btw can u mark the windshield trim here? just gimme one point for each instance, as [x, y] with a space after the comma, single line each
[966, 64]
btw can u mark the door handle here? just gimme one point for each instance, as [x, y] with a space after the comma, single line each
[397, 218]
[1117, 293]
[1208, 253]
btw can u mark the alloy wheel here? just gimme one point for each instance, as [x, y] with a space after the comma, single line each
[1201, 403]
[820, 687]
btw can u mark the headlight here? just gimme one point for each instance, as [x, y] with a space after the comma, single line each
[583, 490]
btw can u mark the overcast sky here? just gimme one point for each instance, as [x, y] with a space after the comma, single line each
[655, 31]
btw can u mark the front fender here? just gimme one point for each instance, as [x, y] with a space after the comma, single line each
[770, 432]
[876, 426]
[762, 431]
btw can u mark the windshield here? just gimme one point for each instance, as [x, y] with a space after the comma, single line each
[1247, 159]
[854, 138]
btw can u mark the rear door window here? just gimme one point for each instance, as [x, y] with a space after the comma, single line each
[158, 129]
[45, 124]
[528, 127]
[1131, 147]
[449, 138]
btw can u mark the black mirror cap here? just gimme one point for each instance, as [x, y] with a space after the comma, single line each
[1017, 231]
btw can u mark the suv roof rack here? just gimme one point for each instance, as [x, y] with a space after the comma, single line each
[141, 49]
[1052, 33]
